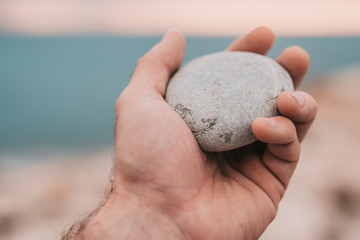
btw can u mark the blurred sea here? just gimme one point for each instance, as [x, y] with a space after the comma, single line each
[59, 92]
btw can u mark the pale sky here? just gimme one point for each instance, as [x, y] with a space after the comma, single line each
[194, 17]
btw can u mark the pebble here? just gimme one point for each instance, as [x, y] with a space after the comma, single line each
[220, 94]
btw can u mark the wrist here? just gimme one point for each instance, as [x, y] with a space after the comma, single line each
[125, 216]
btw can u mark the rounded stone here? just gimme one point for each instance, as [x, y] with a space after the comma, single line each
[219, 96]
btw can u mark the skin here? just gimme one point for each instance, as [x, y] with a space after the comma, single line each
[166, 187]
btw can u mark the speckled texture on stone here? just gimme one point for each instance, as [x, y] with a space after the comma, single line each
[220, 94]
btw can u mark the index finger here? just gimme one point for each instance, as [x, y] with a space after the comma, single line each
[296, 61]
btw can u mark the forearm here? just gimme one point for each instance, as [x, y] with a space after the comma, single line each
[129, 218]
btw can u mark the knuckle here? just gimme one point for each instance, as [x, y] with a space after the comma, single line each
[141, 61]
[151, 65]
[122, 99]
[118, 105]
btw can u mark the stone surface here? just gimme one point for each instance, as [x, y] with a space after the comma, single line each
[220, 94]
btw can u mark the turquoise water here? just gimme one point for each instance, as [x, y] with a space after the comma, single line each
[60, 91]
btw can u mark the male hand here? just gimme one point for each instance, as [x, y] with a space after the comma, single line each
[166, 187]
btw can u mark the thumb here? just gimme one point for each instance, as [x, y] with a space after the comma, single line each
[154, 69]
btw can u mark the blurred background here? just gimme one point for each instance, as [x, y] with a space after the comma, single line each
[63, 63]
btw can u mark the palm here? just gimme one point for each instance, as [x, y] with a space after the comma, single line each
[196, 183]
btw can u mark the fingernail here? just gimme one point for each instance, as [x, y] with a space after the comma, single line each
[299, 98]
[270, 121]
[168, 33]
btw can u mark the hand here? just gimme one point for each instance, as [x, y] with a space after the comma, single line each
[166, 187]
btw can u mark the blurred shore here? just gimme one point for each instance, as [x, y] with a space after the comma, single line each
[40, 199]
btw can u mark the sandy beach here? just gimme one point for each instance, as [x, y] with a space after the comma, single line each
[40, 199]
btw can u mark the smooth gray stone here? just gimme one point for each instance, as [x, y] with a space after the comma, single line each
[220, 94]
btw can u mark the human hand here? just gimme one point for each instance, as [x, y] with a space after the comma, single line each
[166, 187]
